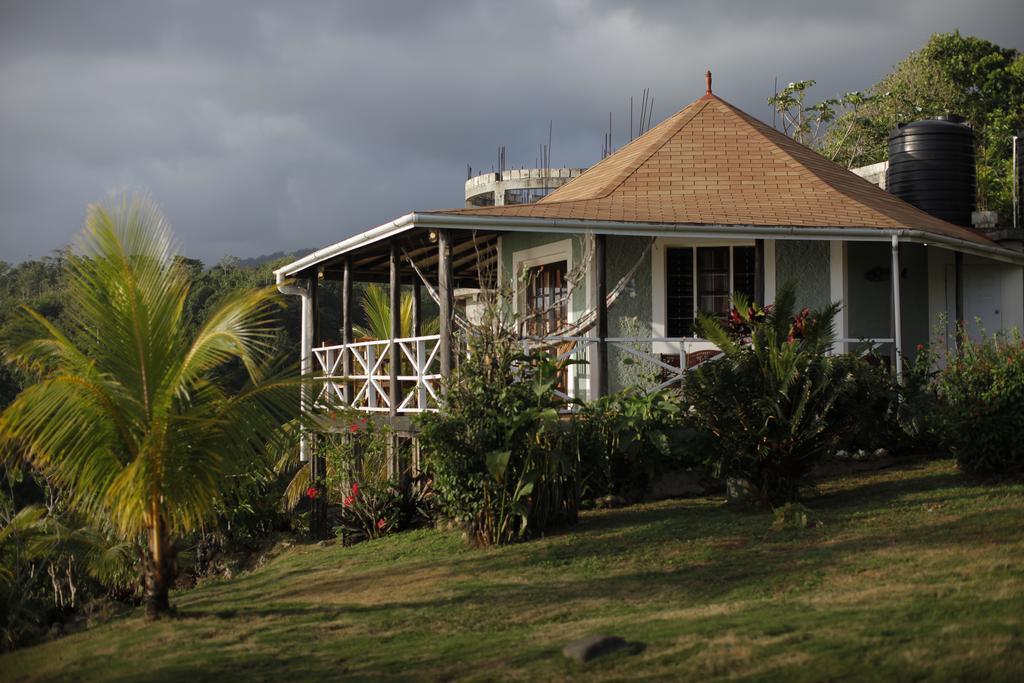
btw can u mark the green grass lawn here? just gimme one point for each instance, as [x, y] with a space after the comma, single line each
[915, 573]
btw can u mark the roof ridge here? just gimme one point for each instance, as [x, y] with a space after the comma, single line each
[617, 181]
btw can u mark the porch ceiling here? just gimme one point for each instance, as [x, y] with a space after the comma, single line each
[474, 256]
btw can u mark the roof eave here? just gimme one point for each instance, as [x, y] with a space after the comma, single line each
[440, 220]
[851, 234]
[370, 236]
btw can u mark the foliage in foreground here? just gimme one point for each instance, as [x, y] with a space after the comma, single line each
[913, 573]
[128, 414]
[628, 439]
[982, 395]
[374, 502]
[769, 403]
[503, 465]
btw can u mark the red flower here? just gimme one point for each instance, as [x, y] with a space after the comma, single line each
[355, 488]
[920, 347]
[353, 428]
[381, 523]
[311, 492]
[347, 502]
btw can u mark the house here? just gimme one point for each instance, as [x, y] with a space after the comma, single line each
[709, 202]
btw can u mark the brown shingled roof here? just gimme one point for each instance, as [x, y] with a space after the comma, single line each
[712, 164]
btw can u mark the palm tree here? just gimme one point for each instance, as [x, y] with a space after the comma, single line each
[130, 413]
[376, 305]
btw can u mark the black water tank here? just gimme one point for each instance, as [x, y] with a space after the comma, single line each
[931, 165]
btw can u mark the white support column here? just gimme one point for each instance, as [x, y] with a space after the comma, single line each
[769, 272]
[306, 364]
[897, 325]
[837, 290]
[421, 370]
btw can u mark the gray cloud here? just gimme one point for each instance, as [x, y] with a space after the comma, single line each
[262, 126]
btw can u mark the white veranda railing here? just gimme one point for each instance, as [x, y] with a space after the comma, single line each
[651, 362]
[369, 381]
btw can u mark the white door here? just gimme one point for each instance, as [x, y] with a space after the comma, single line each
[983, 295]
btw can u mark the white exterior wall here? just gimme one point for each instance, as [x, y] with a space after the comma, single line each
[991, 284]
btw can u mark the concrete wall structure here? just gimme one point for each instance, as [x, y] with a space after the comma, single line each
[509, 187]
[873, 173]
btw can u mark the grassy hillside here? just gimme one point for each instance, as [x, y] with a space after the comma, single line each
[915, 572]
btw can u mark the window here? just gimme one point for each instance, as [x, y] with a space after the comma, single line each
[713, 280]
[483, 199]
[679, 292]
[704, 279]
[743, 267]
[547, 304]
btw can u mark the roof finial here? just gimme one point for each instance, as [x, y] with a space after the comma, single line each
[707, 77]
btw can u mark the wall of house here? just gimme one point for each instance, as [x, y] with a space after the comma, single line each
[869, 293]
[520, 241]
[631, 314]
[806, 264]
[989, 286]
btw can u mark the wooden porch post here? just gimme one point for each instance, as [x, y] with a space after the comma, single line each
[395, 391]
[759, 272]
[346, 326]
[599, 293]
[445, 291]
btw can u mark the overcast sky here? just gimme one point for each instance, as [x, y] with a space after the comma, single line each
[276, 126]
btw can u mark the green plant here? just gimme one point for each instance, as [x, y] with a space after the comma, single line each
[768, 406]
[376, 306]
[374, 502]
[627, 439]
[982, 391]
[128, 414]
[502, 463]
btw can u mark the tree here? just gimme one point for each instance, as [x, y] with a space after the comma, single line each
[128, 414]
[950, 74]
[376, 305]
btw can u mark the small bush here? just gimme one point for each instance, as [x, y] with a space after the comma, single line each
[628, 439]
[982, 393]
[373, 503]
[502, 463]
[768, 406]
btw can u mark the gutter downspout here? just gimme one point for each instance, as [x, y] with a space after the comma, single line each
[305, 353]
[896, 308]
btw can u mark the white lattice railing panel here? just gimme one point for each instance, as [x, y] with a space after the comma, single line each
[369, 381]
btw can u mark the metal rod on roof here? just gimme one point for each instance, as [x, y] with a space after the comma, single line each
[547, 151]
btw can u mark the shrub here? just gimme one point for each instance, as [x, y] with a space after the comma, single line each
[865, 411]
[503, 466]
[982, 391]
[768, 405]
[628, 439]
[373, 502]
